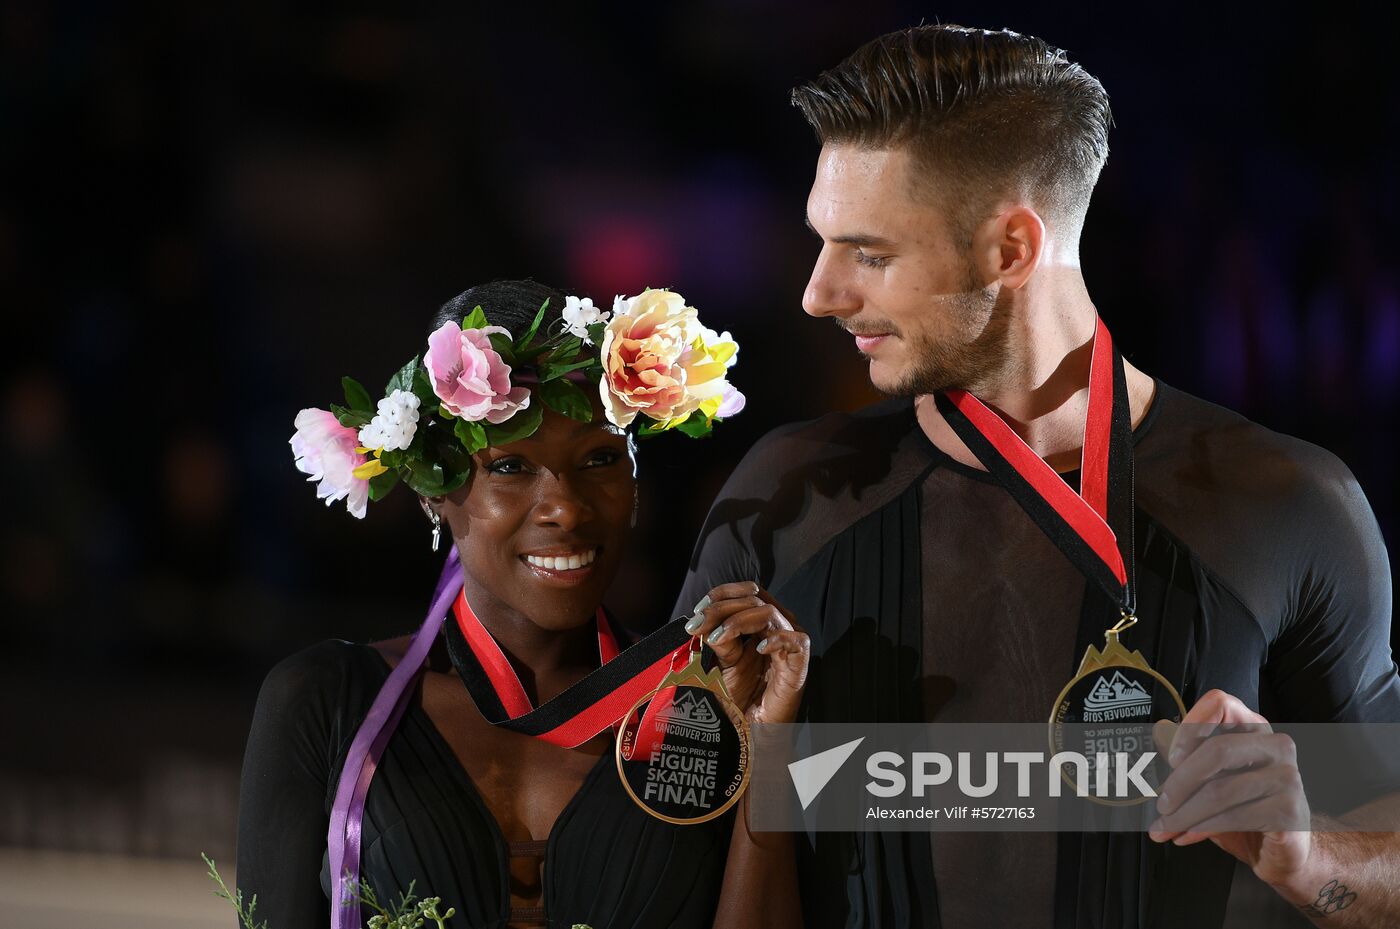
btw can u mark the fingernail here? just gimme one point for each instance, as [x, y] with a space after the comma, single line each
[761, 646]
[704, 602]
[717, 634]
[694, 623]
[1155, 831]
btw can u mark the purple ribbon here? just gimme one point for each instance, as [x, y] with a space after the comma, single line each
[343, 839]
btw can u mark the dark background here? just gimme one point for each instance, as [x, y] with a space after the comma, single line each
[209, 214]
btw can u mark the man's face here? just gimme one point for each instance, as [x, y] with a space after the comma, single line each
[890, 274]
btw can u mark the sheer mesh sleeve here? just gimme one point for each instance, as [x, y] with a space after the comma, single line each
[1332, 662]
[282, 816]
[797, 488]
[1284, 525]
[724, 551]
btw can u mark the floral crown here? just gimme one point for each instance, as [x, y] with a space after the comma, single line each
[649, 356]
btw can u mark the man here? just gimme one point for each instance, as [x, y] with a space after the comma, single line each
[954, 177]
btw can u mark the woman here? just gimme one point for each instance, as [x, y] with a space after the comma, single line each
[509, 829]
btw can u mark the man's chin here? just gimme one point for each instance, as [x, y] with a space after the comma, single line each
[902, 382]
[891, 383]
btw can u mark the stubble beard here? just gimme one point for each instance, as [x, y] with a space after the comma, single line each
[976, 356]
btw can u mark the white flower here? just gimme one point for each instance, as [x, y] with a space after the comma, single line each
[394, 425]
[579, 314]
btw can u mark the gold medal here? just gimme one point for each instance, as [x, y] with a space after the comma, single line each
[683, 750]
[1111, 705]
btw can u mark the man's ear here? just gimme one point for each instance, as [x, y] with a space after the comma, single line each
[1012, 244]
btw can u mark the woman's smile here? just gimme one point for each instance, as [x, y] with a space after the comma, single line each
[564, 567]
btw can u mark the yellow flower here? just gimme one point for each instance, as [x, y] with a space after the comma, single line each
[372, 467]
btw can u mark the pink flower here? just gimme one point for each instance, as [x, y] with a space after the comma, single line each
[469, 377]
[325, 450]
[731, 402]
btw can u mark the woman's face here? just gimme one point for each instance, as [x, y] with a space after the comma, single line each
[541, 524]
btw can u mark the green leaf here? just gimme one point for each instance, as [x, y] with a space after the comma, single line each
[456, 479]
[471, 435]
[356, 397]
[566, 397]
[350, 418]
[503, 346]
[566, 349]
[520, 426]
[696, 425]
[595, 333]
[475, 320]
[423, 387]
[648, 428]
[403, 380]
[432, 480]
[550, 371]
[381, 484]
[524, 340]
[453, 456]
[526, 356]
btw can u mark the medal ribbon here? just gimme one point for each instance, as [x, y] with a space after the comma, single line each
[583, 710]
[639, 669]
[1080, 524]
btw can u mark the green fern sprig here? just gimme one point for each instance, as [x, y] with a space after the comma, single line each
[408, 913]
[245, 917]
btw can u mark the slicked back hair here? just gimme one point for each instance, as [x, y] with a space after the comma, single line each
[984, 114]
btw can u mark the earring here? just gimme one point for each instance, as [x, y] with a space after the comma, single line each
[636, 505]
[435, 519]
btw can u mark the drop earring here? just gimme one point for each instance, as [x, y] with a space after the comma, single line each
[636, 505]
[436, 519]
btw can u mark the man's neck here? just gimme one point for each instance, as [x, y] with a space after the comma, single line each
[1044, 393]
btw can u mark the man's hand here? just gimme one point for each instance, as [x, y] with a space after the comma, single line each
[1232, 778]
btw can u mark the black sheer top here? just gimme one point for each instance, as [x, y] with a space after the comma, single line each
[606, 862]
[930, 595]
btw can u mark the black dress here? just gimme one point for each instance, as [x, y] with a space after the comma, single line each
[930, 595]
[606, 862]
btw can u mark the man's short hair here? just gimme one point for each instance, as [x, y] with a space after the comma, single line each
[985, 114]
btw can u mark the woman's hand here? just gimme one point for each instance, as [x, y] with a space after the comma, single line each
[762, 652]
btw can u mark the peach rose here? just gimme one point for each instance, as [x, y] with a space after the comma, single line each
[659, 360]
[642, 344]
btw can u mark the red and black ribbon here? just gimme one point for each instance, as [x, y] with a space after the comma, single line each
[586, 708]
[1094, 528]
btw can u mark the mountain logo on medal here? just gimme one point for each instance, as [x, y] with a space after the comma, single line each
[692, 710]
[1117, 693]
[690, 715]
